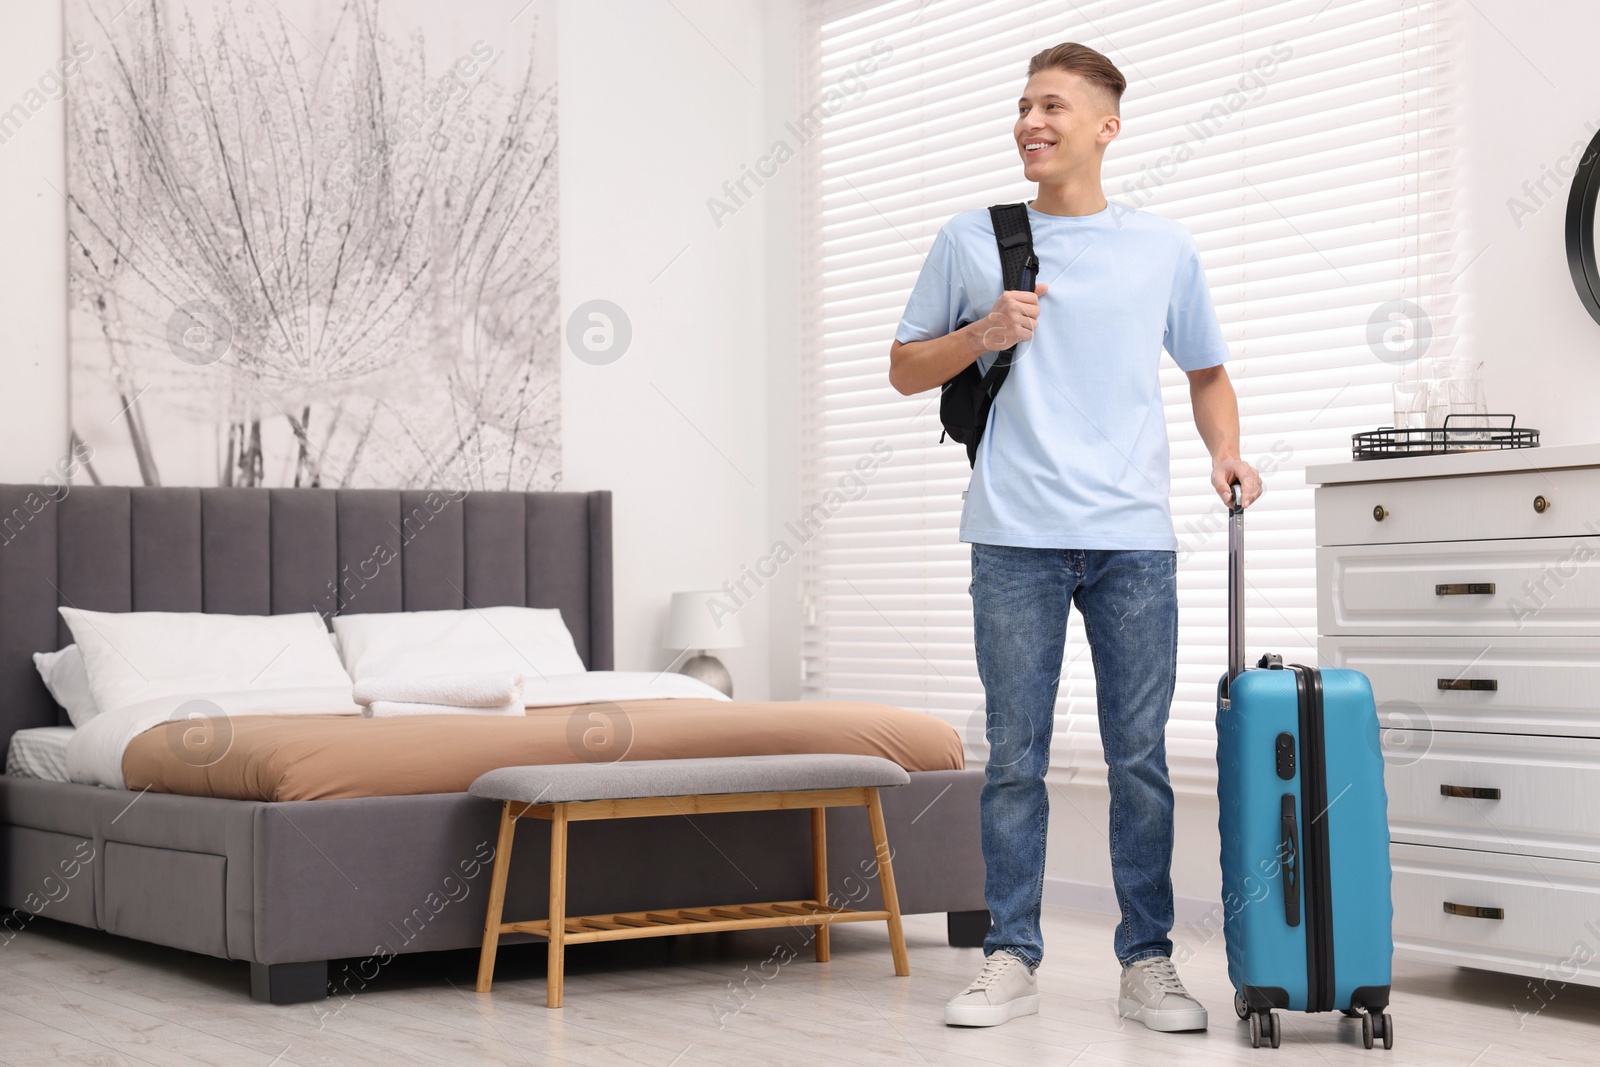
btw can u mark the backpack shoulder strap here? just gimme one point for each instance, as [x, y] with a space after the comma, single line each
[1014, 238]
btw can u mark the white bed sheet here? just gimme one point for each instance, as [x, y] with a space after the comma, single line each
[40, 752]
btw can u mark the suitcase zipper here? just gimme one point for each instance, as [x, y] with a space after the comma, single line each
[1314, 841]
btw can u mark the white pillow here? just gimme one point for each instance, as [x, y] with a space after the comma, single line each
[533, 642]
[68, 681]
[135, 656]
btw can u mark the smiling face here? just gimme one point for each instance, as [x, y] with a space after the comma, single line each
[1064, 123]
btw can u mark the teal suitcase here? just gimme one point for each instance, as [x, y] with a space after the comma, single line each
[1303, 817]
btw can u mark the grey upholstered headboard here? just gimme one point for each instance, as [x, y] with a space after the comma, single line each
[271, 551]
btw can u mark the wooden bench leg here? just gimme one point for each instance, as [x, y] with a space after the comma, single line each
[558, 905]
[819, 875]
[497, 897]
[891, 902]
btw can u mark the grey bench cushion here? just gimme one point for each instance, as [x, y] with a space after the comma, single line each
[558, 783]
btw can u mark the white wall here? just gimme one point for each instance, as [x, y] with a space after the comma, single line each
[33, 252]
[784, 276]
[660, 104]
[1529, 91]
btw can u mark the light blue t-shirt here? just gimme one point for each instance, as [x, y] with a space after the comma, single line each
[1075, 454]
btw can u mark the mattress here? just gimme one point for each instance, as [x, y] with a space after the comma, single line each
[39, 752]
[317, 757]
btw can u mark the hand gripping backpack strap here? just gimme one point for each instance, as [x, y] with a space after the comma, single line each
[1014, 237]
[965, 399]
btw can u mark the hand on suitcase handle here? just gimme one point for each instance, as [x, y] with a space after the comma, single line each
[1226, 473]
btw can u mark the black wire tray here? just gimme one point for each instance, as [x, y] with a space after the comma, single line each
[1483, 435]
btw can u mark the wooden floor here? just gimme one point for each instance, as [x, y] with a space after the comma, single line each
[731, 1000]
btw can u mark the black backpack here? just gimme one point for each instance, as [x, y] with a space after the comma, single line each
[965, 400]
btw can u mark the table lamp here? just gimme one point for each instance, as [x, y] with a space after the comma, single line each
[691, 626]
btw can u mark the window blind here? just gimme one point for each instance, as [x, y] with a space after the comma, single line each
[1304, 143]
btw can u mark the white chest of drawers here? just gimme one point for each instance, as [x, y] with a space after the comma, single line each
[1467, 588]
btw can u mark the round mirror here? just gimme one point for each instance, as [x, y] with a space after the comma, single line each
[1581, 217]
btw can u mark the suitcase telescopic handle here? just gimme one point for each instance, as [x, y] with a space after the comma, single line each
[1236, 583]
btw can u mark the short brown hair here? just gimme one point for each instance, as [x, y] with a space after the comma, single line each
[1081, 59]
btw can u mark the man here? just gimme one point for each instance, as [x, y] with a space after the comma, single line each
[1068, 504]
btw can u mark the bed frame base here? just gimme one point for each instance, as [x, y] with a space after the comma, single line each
[289, 983]
[967, 929]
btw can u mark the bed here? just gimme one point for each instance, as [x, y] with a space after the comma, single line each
[289, 885]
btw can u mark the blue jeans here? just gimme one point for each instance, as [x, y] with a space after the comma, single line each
[1128, 600]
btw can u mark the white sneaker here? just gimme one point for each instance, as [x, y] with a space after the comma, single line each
[1004, 989]
[1153, 994]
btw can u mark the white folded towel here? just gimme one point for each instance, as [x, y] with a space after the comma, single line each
[482, 689]
[382, 709]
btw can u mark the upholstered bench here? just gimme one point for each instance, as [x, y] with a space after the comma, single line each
[578, 792]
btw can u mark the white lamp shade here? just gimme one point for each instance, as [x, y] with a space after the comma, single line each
[702, 619]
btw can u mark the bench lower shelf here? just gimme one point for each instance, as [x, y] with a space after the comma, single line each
[673, 921]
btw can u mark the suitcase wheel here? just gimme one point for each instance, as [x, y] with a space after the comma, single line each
[1265, 1026]
[1377, 1028]
[1240, 1008]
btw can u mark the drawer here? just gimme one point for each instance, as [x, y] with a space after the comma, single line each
[47, 874]
[1464, 507]
[167, 896]
[1548, 585]
[1550, 907]
[1546, 685]
[1536, 796]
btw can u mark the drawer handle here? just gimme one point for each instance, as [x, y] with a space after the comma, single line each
[1470, 792]
[1462, 588]
[1472, 911]
[1488, 685]
[1379, 513]
[1540, 504]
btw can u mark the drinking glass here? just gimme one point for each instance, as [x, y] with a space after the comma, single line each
[1439, 392]
[1458, 391]
[1411, 403]
[1470, 409]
